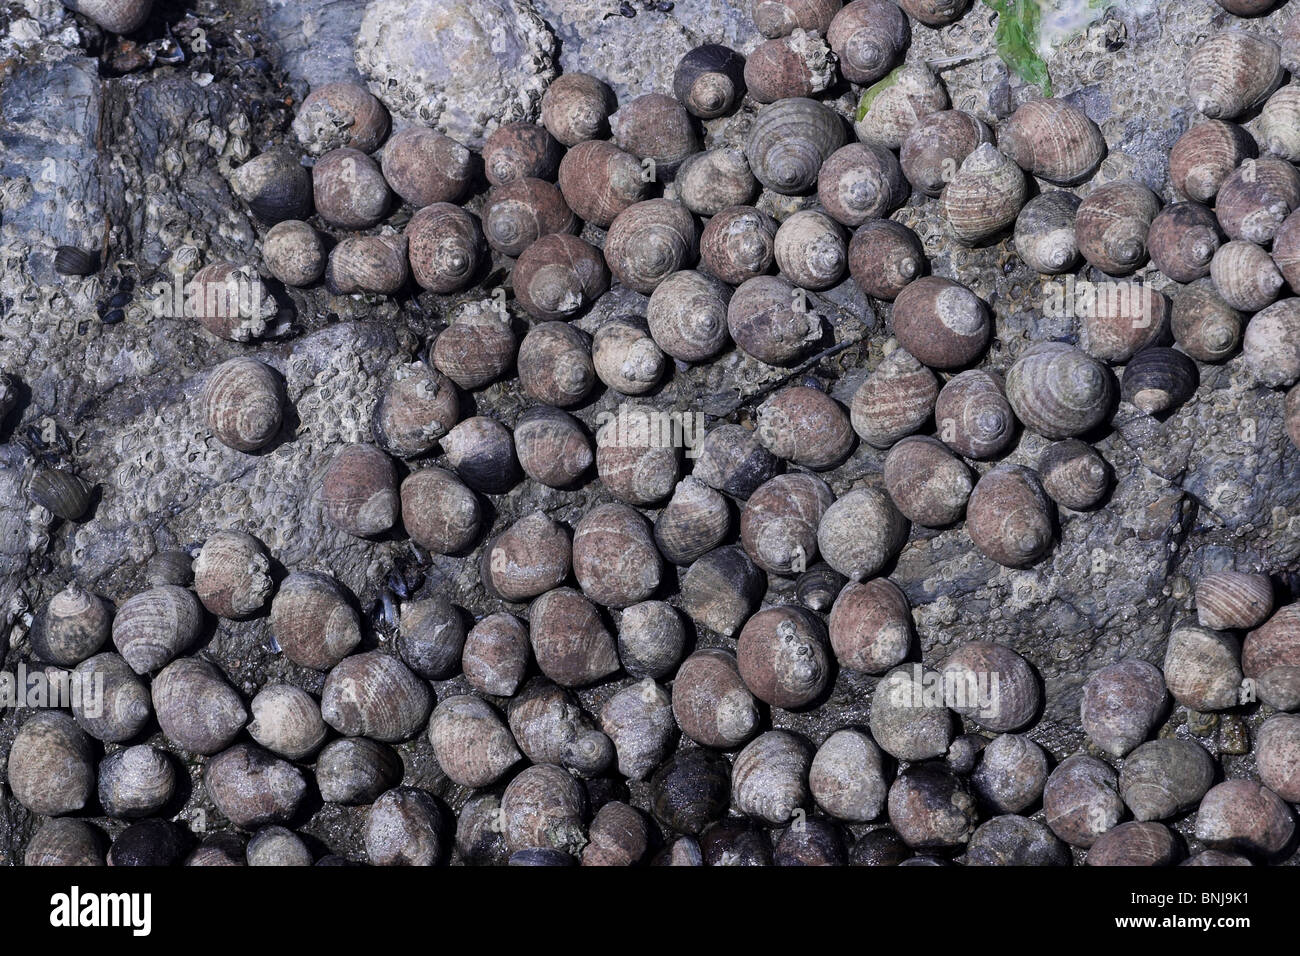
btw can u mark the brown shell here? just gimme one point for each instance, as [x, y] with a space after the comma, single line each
[1059, 391]
[895, 400]
[424, 166]
[941, 322]
[375, 264]
[417, 408]
[1286, 250]
[544, 807]
[471, 742]
[197, 708]
[1292, 414]
[861, 532]
[782, 654]
[984, 196]
[936, 146]
[313, 621]
[778, 525]
[1044, 233]
[1054, 140]
[1270, 656]
[153, 627]
[1124, 319]
[635, 461]
[619, 836]
[1202, 668]
[788, 142]
[806, 426]
[519, 213]
[528, 558]
[770, 319]
[599, 181]
[124, 708]
[1231, 71]
[656, 127]
[445, 246]
[651, 638]
[871, 627]
[232, 574]
[710, 701]
[811, 250]
[626, 358]
[551, 727]
[349, 190]
[777, 18]
[569, 639]
[614, 556]
[577, 106]
[552, 446]
[714, 180]
[1074, 474]
[1256, 199]
[738, 244]
[1081, 800]
[915, 94]
[649, 241]
[1122, 703]
[687, 316]
[555, 366]
[229, 301]
[558, 276]
[1111, 225]
[1204, 326]
[800, 64]
[1183, 239]
[481, 451]
[1278, 122]
[721, 590]
[973, 416]
[1205, 155]
[359, 491]
[242, 403]
[341, 114]
[926, 481]
[1231, 600]
[1009, 517]
[1013, 698]
[439, 512]
[294, 253]
[1158, 380]
[475, 349]
[287, 721]
[375, 695]
[695, 521]
[869, 37]
[520, 151]
[496, 654]
[1271, 346]
[884, 257]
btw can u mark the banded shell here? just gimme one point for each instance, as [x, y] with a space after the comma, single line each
[1279, 123]
[313, 621]
[123, 707]
[376, 264]
[72, 627]
[625, 356]
[576, 107]
[1121, 705]
[1231, 600]
[721, 589]
[419, 405]
[1054, 140]
[778, 525]
[439, 512]
[895, 400]
[1183, 239]
[287, 721]
[651, 639]
[1202, 668]
[242, 403]
[599, 181]
[375, 695]
[1111, 225]
[519, 213]
[896, 109]
[1010, 518]
[984, 196]
[1270, 657]
[973, 416]
[61, 493]
[926, 481]
[481, 450]
[1059, 391]
[496, 654]
[696, 520]
[230, 301]
[552, 446]
[153, 627]
[884, 256]
[1204, 326]
[731, 459]
[528, 558]
[639, 721]
[941, 322]
[424, 166]
[197, 708]
[737, 244]
[1044, 233]
[558, 276]
[614, 557]
[869, 37]
[471, 742]
[475, 349]
[232, 574]
[788, 142]
[445, 246]
[935, 13]
[570, 642]
[1231, 71]
[1011, 698]
[1158, 380]
[1205, 156]
[358, 493]
[636, 462]
[687, 315]
[554, 364]
[769, 778]
[811, 250]
[519, 151]
[859, 182]
[349, 189]
[936, 147]
[806, 426]
[1256, 199]
[656, 128]
[710, 701]
[1074, 474]
[800, 64]
[709, 80]
[649, 241]
[871, 627]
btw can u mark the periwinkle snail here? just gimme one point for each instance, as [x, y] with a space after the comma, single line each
[275, 186]
[554, 364]
[614, 556]
[520, 212]
[776, 18]
[789, 141]
[778, 525]
[376, 264]
[445, 246]
[712, 181]
[870, 626]
[1111, 225]
[197, 708]
[800, 64]
[1074, 474]
[782, 655]
[375, 695]
[649, 241]
[651, 638]
[884, 256]
[1183, 239]
[941, 322]
[984, 196]
[519, 151]
[51, 765]
[655, 127]
[359, 491]
[770, 320]
[738, 244]
[599, 180]
[313, 621]
[861, 532]
[73, 626]
[1009, 516]
[721, 589]
[806, 426]
[576, 107]
[625, 356]
[495, 655]
[424, 166]
[558, 275]
[430, 637]
[475, 349]
[1205, 155]
[895, 111]
[869, 37]
[687, 315]
[418, 407]
[349, 189]
[973, 415]
[638, 719]
[481, 452]
[709, 80]
[1256, 198]
[294, 253]
[551, 728]
[711, 702]
[231, 574]
[552, 446]
[696, 520]
[153, 627]
[894, 401]
[1044, 232]
[115, 16]
[341, 114]
[1232, 71]
[769, 777]
[570, 642]
[1245, 276]
[242, 403]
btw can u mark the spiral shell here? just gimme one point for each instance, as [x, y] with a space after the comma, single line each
[687, 316]
[1204, 326]
[614, 557]
[777, 18]
[1286, 250]
[1231, 71]
[599, 180]
[1009, 517]
[275, 186]
[778, 525]
[1279, 121]
[696, 520]
[731, 459]
[481, 451]
[1059, 391]
[1205, 155]
[558, 276]
[445, 246]
[424, 166]
[230, 301]
[811, 250]
[197, 708]
[710, 701]
[474, 350]
[894, 401]
[859, 182]
[656, 128]
[738, 244]
[341, 114]
[1158, 380]
[1183, 239]
[375, 264]
[1044, 233]
[769, 778]
[241, 402]
[635, 460]
[649, 241]
[252, 788]
[287, 721]
[800, 64]
[313, 621]
[625, 357]
[1256, 198]
[651, 638]
[1231, 600]
[714, 180]
[1124, 318]
[788, 142]
[941, 322]
[552, 446]
[359, 491]
[769, 320]
[691, 790]
[884, 256]
[544, 807]
[72, 627]
[519, 213]
[555, 365]
[869, 37]
[1111, 225]
[51, 765]
[984, 196]
[783, 656]
[528, 558]
[619, 836]
[896, 109]
[1121, 704]
[721, 589]
[936, 146]
[1270, 656]
[576, 107]
[417, 408]
[294, 253]
[861, 532]
[471, 742]
[1271, 346]
[871, 627]
[1202, 668]
[926, 481]
[231, 574]
[1013, 699]
[375, 695]
[1074, 474]
[350, 190]
[569, 639]
[153, 627]
[639, 720]
[935, 13]
[65, 841]
[1054, 140]
[973, 415]
[124, 706]
[709, 80]
[806, 426]
[520, 151]
[439, 512]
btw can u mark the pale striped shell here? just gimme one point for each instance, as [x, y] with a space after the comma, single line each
[242, 404]
[1111, 225]
[375, 695]
[1256, 199]
[984, 196]
[789, 141]
[973, 416]
[1059, 391]
[1204, 156]
[1054, 140]
[471, 742]
[1232, 71]
[894, 401]
[649, 241]
[153, 627]
[860, 182]
[1230, 600]
[778, 526]
[769, 778]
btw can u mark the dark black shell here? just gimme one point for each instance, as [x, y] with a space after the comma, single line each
[691, 790]
[61, 493]
[73, 261]
[819, 586]
[1159, 379]
[710, 80]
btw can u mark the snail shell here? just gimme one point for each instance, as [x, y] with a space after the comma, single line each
[294, 253]
[1158, 380]
[710, 701]
[1183, 239]
[232, 574]
[894, 401]
[1205, 156]
[544, 807]
[275, 186]
[869, 37]
[769, 778]
[1242, 815]
[1111, 225]
[984, 196]
[973, 415]
[1271, 346]
[649, 241]
[1122, 704]
[431, 637]
[375, 264]
[884, 256]
[626, 358]
[496, 654]
[777, 18]
[1202, 669]
[417, 408]
[926, 481]
[639, 720]
[614, 556]
[356, 770]
[1135, 844]
[125, 706]
[478, 830]
[657, 128]
[576, 107]
[1081, 800]
[349, 189]
[474, 350]
[278, 846]
[1124, 318]
[941, 322]
[197, 709]
[1014, 696]
[783, 656]
[569, 639]
[847, 776]
[769, 320]
[51, 765]
[935, 13]
[341, 114]
[1270, 656]
[1230, 600]
[637, 464]
[710, 182]
[1230, 72]
[697, 519]
[721, 589]
[359, 491]
[599, 181]
[1009, 517]
[788, 142]
[871, 626]
[251, 788]
[811, 250]
[481, 451]
[687, 315]
[1054, 140]
[861, 532]
[1162, 778]
[806, 426]
[313, 621]
[619, 836]
[135, 782]
[445, 246]
[287, 721]
[519, 213]
[424, 166]
[1204, 326]
[527, 559]
[651, 637]
[471, 742]
[936, 147]
[1044, 234]
[1059, 391]
[1256, 199]
[800, 64]
[896, 109]
[153, 627]
[709, 80]
[65, 842]
[558, 276]
[242, 403]
[229, 301]
[555, 365]
[1286, 250]
[731, 459]
[551, 727]
[1074, 474]
[552, 446]
[691, 790]
[519, 151]
[778, 525]
[1011, 773]
[1276, 751]
[172, 566]
[375, 695]
[738, 244]
[404, 828]
[1279, 122]
[72, 627]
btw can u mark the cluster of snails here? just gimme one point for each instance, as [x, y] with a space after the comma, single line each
[663, 580]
